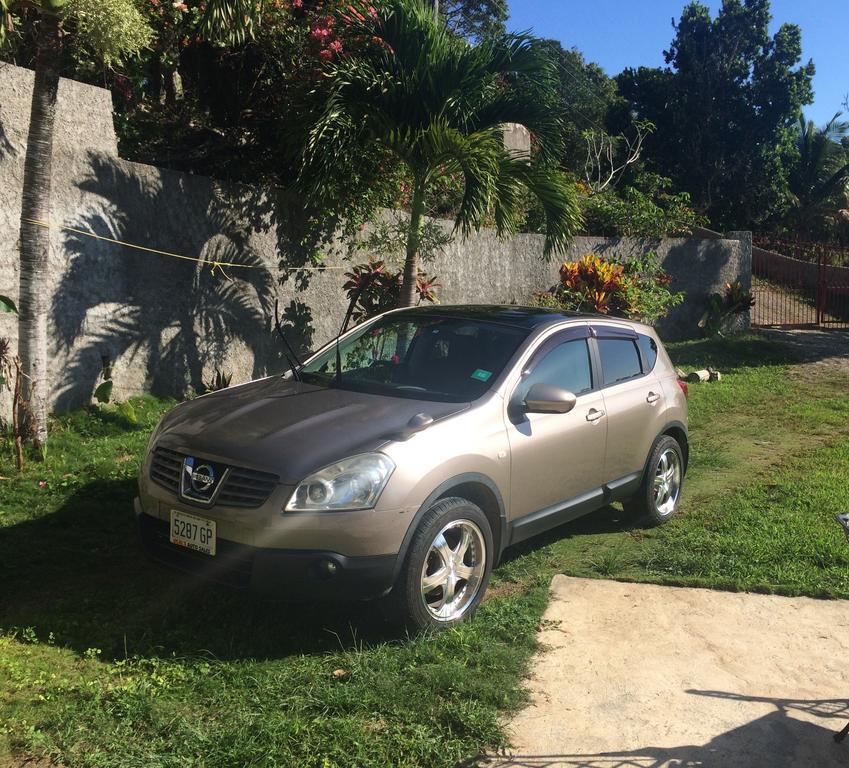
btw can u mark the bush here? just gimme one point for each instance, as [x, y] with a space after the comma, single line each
[636, 288]
[646, 209]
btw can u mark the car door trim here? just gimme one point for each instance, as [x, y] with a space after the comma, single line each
[557, 514]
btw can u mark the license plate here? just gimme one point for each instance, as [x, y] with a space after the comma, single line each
[192, 532]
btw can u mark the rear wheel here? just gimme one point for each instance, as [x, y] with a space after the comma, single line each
[658, 497]
[447, 568]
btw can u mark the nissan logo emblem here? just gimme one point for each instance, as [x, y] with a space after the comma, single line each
[203, 478]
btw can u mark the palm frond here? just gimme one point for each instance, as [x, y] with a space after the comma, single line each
[556, 194]
[230, 22]
[476, 156]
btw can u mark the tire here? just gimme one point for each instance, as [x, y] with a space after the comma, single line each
[659, 495]
[434, 571]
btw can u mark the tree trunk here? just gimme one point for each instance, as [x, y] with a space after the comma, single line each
[411, 262]
[33, 301]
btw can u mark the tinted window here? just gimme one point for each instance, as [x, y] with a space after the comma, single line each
[648, 346]
[566, 366]
[619, 360]
[425, 357]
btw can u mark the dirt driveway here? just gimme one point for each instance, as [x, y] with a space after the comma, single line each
[650, 676]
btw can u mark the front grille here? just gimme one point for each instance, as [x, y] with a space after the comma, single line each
[242, 488]
[165, 468]
[246, 488]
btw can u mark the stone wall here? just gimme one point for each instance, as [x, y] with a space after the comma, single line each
[165, 323]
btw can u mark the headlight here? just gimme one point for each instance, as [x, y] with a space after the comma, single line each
[353, 483]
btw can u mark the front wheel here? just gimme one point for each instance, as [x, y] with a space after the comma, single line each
[447, 568]
[658, 497]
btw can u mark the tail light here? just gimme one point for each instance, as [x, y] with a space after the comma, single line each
[684, 388]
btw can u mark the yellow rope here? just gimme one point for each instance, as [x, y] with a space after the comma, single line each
[213, 264]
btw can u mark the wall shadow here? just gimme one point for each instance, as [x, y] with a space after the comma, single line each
[776, 740]
[170, 315]
[81, 574]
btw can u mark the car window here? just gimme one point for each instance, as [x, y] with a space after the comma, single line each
[649, 349]
[566, 366]
[419, 356]
[620, 360]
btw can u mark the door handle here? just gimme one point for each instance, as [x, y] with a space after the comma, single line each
[652, 398]
[594, 415]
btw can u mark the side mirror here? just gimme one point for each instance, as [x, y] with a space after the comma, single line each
[544, 398]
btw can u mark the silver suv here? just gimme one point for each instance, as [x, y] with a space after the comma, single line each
[403, 458]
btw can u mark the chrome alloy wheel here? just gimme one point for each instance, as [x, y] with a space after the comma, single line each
[667, 482]
[453, 570]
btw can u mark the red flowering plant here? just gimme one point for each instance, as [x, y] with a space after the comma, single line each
[335, 26]
[378, 288]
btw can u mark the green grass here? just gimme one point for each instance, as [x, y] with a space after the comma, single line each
[108, 660]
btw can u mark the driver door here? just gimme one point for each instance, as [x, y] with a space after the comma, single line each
[557, 459]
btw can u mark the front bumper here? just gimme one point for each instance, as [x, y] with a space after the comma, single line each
[290, 574]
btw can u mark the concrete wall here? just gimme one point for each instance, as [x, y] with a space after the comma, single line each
[167, 323]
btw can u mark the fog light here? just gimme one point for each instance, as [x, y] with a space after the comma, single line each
[329, 568]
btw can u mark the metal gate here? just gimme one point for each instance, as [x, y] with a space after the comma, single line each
[799, 285]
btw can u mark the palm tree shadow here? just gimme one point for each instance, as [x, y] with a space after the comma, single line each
[172, 317]
[6, 147]
[81, 575]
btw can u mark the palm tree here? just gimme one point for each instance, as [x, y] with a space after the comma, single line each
[438, 104]
[110, 29]
[820, 174]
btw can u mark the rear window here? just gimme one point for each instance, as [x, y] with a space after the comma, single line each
[648, 346]
[620, 360]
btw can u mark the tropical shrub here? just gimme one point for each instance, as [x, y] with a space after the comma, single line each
[637, 288]
[645, 209]
[377, 288]
[734, 300]
[592, 283]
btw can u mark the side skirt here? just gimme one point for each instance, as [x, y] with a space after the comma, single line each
[564, 512]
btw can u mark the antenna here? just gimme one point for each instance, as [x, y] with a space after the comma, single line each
[295, 373]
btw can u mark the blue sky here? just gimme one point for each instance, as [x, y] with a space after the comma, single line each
[621, 33]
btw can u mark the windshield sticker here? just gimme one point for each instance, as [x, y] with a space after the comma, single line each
[481, 375]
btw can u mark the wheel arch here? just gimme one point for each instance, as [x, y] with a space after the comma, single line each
[472, 486]
[677, 430]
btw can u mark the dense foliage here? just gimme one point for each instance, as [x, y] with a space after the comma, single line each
[646, 208]
[637, 288]
[725, 107]
[818, 181]
[436, 106]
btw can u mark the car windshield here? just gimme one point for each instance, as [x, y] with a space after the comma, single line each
[451, 359]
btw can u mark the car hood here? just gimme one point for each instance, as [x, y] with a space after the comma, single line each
[290, 428]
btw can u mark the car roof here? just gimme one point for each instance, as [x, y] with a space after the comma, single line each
[529, 318]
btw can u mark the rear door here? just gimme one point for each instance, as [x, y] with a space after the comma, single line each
[556, 457]
[633, 399]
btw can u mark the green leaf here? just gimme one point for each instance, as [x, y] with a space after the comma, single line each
[127, 411]
[104, 392]
[7, 305]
